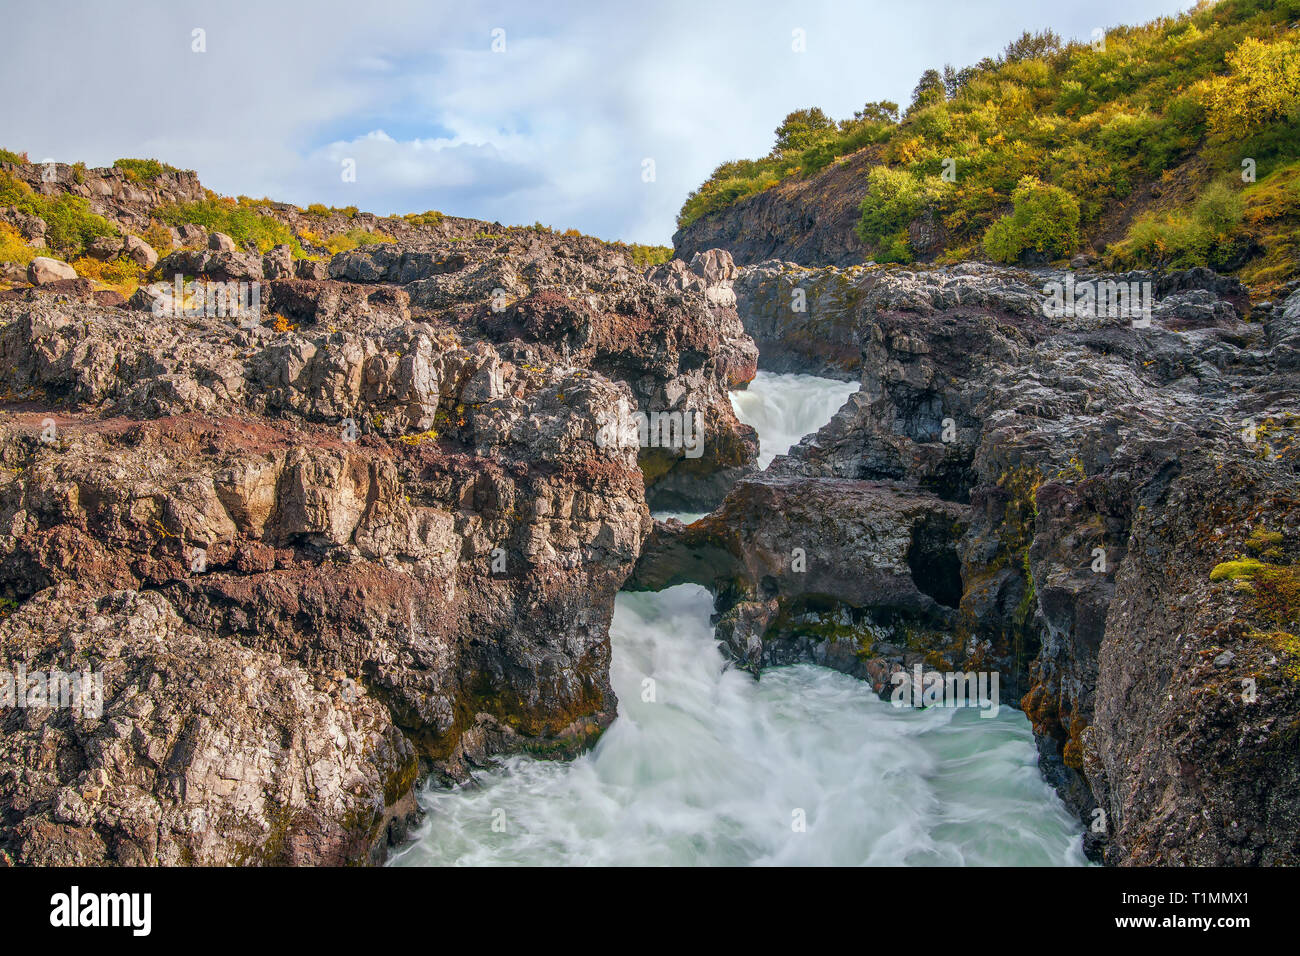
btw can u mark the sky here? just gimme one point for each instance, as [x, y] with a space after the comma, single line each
[599, 116]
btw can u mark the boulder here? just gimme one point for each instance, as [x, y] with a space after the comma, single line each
[220, 242]
[105, 248]
[191, 235]
[43, 270]
[311, 269]
[278, 263]
[140, 252]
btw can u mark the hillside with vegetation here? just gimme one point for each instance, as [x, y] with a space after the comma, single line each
[1169, 145]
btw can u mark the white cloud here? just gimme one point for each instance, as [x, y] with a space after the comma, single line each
[554, 129]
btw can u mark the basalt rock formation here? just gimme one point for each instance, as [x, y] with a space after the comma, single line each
[674, 337]
[810, 220]
[315, 553]
[435, 586]
[1101, 508]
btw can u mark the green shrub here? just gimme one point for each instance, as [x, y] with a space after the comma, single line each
[643, 256]
[429, 218]
[70, 226]
[803, 129]
[143, 170]
[894, 199]
[353, 238]
[9, 156]
[1044, 219]
[1208, 234]
[240, 222]
[1220, 209]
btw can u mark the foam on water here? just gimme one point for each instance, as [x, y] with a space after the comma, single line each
[705, 765]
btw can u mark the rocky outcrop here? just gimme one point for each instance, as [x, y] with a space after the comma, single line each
[810, 221]
[803, 320]
[848, 574]
[395, 551]
[112, 193]
[674, 337]
[1109, 475]
[172, 768]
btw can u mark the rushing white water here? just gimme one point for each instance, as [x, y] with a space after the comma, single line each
[784, 408]
[717, 769]
[705, 765]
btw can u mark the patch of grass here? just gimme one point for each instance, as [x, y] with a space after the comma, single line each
[320, 210]
[430, 217]
[419, 438]
[641, 256]
[1271, 210]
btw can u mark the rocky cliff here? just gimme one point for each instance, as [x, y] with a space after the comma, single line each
[1101, 508]
[368, 527]
[810, 221]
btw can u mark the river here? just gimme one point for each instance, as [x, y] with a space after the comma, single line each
[706, 766]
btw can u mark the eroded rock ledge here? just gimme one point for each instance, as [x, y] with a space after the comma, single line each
[374, 535]
[1104, 514]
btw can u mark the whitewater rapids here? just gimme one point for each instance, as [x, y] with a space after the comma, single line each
[706, 766]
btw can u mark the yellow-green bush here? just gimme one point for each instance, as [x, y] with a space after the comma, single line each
[429, 218]
[70, 226]
[894, 199]
[13, 247]
[353, 238]
[143, 170]
[242, 222]
[1208, 234]
[121, 274]
[1263, 86]
[1045, 219]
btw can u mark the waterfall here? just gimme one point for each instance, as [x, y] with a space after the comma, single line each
[705, 765]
